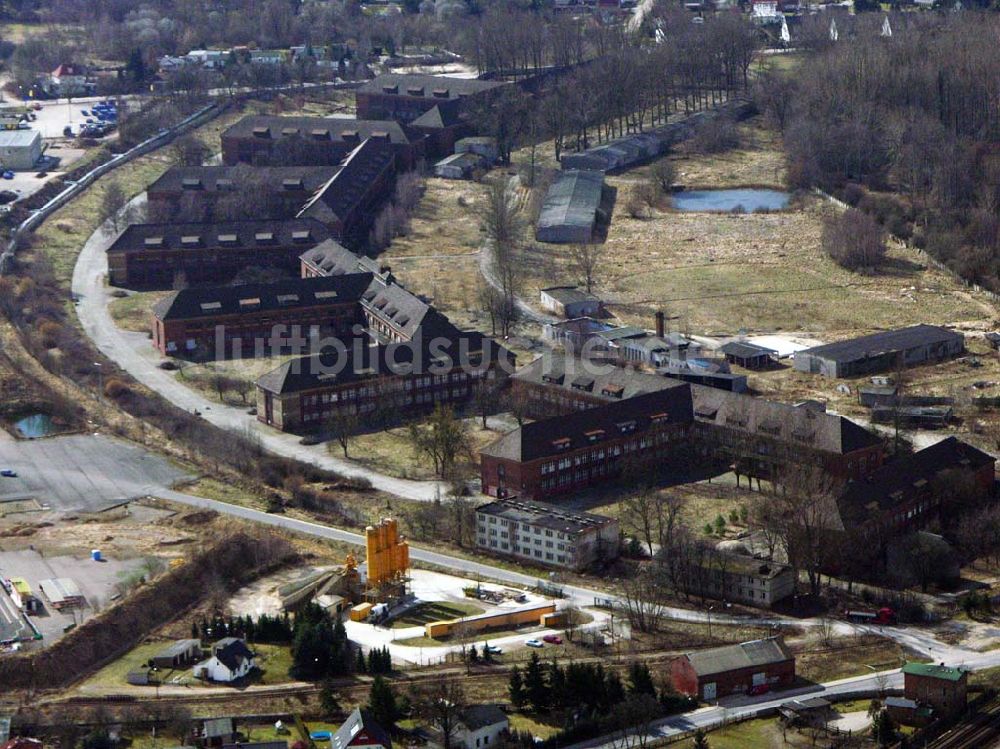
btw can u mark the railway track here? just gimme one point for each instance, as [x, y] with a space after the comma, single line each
[977, 733]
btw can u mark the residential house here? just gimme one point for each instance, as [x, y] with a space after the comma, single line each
[480, 727]
[251, 319]
[734, 669]
[231, 661]
[158, 256]
[68, 79]
[361, 731]
[881, 352]
[566, 453]
[943, 689]
[571, 302]
[546, 534]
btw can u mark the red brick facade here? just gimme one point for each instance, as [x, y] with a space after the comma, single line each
[738, 681]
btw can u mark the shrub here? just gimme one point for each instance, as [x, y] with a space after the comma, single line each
[115, 388]
[853, 193]
[854, 240]
[716, 135]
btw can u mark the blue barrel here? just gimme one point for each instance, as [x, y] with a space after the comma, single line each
[95, 554]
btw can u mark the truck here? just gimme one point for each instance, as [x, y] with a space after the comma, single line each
[884, 615]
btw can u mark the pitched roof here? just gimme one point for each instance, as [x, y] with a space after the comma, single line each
[934, 671]
[333, 129]
[357, 721]
[18, 138]
[883, 342]
[231, 235]
[232, 652]
[746, 350]
[543, 514]
[570, 294]
[303, 180]
[428, 86]
[333, 259]
[894, 482]
[744, 655]
[178, 648]
[745, 413]
[365, 361]
[445, 114]
[572, 200]
[550, 437]
[348, 187]
[214, 301]
[404, 311]
[602, 381]
[475, 717]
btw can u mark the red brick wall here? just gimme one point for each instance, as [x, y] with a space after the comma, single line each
[946, 697]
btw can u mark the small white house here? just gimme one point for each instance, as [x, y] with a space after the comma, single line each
[481, 726]
[231, 661]
[571, 302]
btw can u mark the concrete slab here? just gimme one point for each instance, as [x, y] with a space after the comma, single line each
[83, 472]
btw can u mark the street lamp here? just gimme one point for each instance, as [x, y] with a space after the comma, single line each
[710, 609]
[100, 384]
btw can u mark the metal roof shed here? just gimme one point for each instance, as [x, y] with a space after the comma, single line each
[570, 209]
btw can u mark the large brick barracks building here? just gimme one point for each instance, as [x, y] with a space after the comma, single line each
[580, 449]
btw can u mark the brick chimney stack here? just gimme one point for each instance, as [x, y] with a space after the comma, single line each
[659, 324]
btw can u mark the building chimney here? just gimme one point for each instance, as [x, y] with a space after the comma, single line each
[659, 324]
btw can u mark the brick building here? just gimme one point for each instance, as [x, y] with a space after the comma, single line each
[546, 534]
[199, 321]
[942, 688]
[194, 193]
[734, 669]
[760, 438]
[581, 449]
[330, 258]
[398, 380]
[350, 200]
[157, 256]
[263, 140]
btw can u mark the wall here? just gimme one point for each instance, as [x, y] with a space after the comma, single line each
[490, 621]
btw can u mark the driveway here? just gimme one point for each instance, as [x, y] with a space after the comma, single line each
[135, 354]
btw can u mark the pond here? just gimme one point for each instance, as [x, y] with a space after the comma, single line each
[36, 425]
[749, 200]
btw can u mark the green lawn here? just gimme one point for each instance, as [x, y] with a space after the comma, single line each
[134, 312]
[274, 662]
[529, 723]
[436, 611]
[114, 674]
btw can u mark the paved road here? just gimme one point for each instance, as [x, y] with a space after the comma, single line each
[135, 354]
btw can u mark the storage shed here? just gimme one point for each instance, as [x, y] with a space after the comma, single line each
[569, 212]
[881, 352]
[755, 666]
[749, 355]
[459, 166]
[20, 150]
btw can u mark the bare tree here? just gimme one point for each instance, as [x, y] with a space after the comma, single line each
[441, 704]
[113, 201]
[644, 605]
[341, 425]
[854, 240]
[586, 260]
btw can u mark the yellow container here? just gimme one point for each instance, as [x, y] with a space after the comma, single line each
[360, 612]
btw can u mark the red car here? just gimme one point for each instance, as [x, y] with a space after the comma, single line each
[760, 689]
[553, 639]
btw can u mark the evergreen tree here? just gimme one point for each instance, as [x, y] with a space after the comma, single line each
[360, 665]
[515, 688]
[195, 634]
[558, 697]
[473, 653]
[487, 655]
[535, 686]
[700, 740]
[640, 680]
[328, 701]
[883, 729]
[136, 66]
[383, 704]
[615, 690]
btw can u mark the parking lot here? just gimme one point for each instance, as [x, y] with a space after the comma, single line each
[80, 473]
[96, 581]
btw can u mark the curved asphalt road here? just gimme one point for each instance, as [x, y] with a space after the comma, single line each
[134, 353]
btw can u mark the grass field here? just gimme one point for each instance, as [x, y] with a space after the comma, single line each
[841, 658]
[435, 612]
[133, 312]
[274, 662]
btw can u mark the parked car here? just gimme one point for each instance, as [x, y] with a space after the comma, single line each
[493, 649]
[760, 689]
[9, 473]
[36, 106]
[8, 174]
[553, 639]
[68, 131]
[7, 196]
[85, 112]
[535, 643]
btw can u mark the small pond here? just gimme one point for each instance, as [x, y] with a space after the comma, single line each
[36, 425]
[727, 200]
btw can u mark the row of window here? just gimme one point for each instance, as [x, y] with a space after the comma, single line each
[548, 556]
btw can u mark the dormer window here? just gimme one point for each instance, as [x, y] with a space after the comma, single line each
[561, 444]
[301, 236]
[390, 89]
[552, 378]
[262, 132]
[228, 239]
[595, 435]
[249, 303]
[285, 300]
[224, 185]
[320, 134]
[191, 240]
[613, 391]
[440, 93]
[293, 183]
[289, 131]
[626, 427]
[190, 183]
[415, 90]
[264, 236]
[153, 242]
[659, 418]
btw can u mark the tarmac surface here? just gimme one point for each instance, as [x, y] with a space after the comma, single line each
[81, 472]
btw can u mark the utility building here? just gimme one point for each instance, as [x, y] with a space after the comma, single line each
[881, 352]
[569, 213]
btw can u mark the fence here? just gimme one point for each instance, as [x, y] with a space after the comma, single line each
[161, 138]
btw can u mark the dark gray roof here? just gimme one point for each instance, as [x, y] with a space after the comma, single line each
[403, 310]
[896, 482]
[545, 515]
[603, 381]
[744, 655]
[299, 179]
[475, 717]
[570, 294]
[233, 235]
[232, 652]
[269, 127]
[445, 114]
[746, 350]
[562, 434]
[333, 259]
[348, 187]
[888, 341]
[781, 421]
[572, 200]
[428, 86]
[330, 368]
[213, 301]
[358, 721]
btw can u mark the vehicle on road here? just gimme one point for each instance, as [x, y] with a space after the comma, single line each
[37, 107]
[85, 112]
[884, 615]
[8, 174]
[535, 643]
[553, 639]
[493, 650]
[68, 131]
[8, 473]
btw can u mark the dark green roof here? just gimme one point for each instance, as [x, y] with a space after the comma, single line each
[934, 670]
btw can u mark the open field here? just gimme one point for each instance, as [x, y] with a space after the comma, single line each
[843, 657]
[134, 312]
